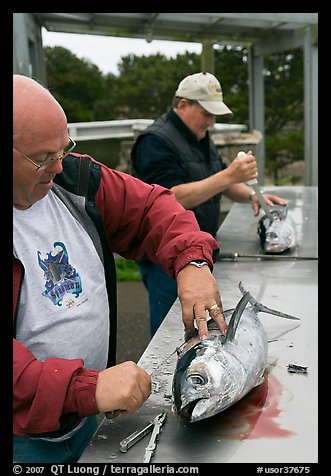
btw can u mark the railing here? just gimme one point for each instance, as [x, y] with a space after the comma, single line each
[129, 128]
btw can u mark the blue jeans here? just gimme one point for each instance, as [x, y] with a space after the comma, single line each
[162, 291]
[36, 450]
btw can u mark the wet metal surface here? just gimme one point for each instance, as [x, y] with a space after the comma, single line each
[277, 421]
[238, 232]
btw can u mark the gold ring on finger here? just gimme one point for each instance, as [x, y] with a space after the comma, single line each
[220, 311]
[217, 315]
[214, 306]
[217, 312]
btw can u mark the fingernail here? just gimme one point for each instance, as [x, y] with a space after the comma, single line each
[204, 337]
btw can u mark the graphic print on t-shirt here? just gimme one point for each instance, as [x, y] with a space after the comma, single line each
[61, 278]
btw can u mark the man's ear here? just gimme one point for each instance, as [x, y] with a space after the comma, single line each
[183, 103]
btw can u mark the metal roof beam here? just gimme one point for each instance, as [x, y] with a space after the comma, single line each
[299, 18]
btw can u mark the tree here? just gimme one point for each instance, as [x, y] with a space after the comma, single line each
[77, 84]
[145, 86]
[284, 111]
[232, 71]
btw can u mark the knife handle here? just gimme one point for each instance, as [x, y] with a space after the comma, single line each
[242, 155]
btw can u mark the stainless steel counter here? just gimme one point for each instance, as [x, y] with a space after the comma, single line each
[238, 232]
[277, 421]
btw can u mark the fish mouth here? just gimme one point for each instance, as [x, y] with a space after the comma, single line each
[276, 247]
[186, 412]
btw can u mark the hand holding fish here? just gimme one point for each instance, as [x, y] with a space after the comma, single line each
[256, 197]
[198, 292]
[270, 200]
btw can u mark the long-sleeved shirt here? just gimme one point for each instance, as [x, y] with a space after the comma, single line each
[137, 219]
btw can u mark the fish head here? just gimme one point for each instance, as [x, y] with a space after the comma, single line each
[278, 235]
[207, 380]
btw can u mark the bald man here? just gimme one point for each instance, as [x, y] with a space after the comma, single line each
[70, 213]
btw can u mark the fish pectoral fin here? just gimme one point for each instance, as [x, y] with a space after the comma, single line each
[260, 379]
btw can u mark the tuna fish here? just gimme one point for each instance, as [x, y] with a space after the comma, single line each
[213, 374]
[279, 234]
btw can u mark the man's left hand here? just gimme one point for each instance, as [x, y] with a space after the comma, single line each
[270, 200]
[198, 292]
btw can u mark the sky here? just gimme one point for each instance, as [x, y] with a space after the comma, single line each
[106, 51]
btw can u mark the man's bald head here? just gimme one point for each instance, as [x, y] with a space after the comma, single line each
[35, 110]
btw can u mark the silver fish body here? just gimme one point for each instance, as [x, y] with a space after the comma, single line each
[213, 374]
[277, 235]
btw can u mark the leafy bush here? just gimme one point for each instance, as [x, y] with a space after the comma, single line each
[127, 270]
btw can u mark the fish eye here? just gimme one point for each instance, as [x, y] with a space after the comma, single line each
[196, 379]
[272, 235]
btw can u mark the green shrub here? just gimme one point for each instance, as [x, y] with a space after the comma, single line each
[127, 270]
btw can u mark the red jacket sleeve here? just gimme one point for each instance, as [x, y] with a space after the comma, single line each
[147, 219]
[43, 391]
[139, 219]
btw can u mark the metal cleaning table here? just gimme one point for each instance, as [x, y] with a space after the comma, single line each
[277, 421]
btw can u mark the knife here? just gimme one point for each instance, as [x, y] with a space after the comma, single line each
[254, 184]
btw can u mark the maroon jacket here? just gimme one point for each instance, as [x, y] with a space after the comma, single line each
[137, 219]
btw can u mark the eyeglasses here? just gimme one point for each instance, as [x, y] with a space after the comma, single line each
[43, 165]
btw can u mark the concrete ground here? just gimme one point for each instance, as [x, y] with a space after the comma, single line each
[133, 320]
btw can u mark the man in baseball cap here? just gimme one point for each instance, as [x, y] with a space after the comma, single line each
[176, 151]
[206, 89]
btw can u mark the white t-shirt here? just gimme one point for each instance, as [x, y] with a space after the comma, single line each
[63, 311]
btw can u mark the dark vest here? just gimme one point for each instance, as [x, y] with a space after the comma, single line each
[195, 166]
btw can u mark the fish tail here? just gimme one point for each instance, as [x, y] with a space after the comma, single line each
[259, 307]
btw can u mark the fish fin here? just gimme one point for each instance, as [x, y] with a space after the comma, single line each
[260, 378]
[259, 307]
[235, 318]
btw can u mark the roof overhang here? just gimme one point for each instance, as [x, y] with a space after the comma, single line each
[245, 28]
